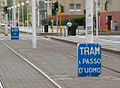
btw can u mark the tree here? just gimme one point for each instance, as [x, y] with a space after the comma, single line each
[10, 2]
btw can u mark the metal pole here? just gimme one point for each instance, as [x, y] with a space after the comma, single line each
[106, 17]
[57, 23]
[9, 15]
[22, 4]
[27, 2]
[27, 17]
[22, 16]
[12, 17]
[6, 17]
[99, 23]
[89, 21]
[52, 25]
[38, 18]
[60, 20]
[52, 16]
[14, 13]
[38, 14]
[45, 10]
[33, 25]
[96, 19]
[18, 16]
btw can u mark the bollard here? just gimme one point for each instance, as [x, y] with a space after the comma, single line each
[61, 31]
[66, 32]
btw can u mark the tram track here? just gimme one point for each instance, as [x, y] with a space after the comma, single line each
[32, 65]
[2, 84]
[59, 47]
[58, 50]
[62, 47]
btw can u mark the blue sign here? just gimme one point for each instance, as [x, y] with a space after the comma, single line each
[14, 33]
[89, 60]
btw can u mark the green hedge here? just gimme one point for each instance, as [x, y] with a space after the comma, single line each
[75, 21]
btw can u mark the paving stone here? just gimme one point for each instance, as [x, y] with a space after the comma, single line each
[16, 73]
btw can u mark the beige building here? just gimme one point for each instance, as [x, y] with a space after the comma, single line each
[72, 7]
[114, 5]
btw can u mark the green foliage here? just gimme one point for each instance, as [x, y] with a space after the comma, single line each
[46, 21]
[76, 21]
[24, 9]
[9, 5]
[10, 2]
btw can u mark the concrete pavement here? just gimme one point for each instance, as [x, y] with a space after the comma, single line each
[53, 59]
[58, 60]
[15, 73]
[109, 43]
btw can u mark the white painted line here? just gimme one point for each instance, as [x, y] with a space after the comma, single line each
[109, 41]
[39, 70]
[1, 86]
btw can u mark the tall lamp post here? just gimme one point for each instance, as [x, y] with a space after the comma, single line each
[9, 14]
[107, 17]
[45, 3]
[14, 13]
[27, 2]
[18, 13]
[38, 17]
[96, 19]
[22, 4]
[34, 44]
[12, 16]
[38, 13]
[6, 17]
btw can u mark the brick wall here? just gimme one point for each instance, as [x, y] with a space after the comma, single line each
[115, 17]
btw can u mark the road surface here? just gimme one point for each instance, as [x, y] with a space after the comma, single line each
[59, 61]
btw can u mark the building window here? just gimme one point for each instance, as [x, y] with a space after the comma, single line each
[117, 3]
[72, 7]
[78, 7]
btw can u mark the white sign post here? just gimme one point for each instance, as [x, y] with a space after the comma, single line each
[14, 13]
[18, 13]
[89, 21]
[33, 25]
[96, 19]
